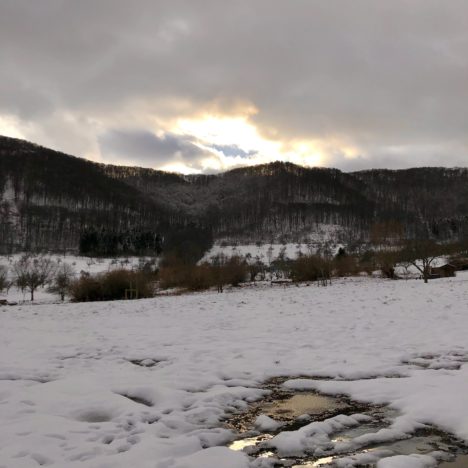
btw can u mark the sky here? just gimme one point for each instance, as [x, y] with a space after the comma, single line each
[202, 86]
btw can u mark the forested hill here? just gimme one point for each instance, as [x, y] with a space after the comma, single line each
[283, 201]
[49, 200]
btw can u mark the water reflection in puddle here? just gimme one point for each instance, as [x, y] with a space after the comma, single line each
[320, 462]
[300, 404]
[248, 442]
[291, 408]
[461, 461]
[418, 445]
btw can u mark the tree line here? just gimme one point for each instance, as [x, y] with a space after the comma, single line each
[182, 269]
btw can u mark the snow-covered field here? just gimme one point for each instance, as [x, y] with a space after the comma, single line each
[147, 383]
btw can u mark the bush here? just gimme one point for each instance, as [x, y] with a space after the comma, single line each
[367, 262]
[85, 289]
[113, 285]
[191, 277]
[387, 261]
[344, 264]
[310, 268]
[256, 269]
[174, 273]
[199, 278]
[233, 271]
[220, 272]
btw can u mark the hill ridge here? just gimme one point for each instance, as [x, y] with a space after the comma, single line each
[53, 197]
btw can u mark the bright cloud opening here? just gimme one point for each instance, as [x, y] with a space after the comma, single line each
[9, 126]
[215, 133]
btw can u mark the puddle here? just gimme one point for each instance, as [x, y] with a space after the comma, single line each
[365, 428]
[249, 442]
[303, 404]
[321, 462]
[292, 408]
[297, 409]
[461, 461]
[417, 444]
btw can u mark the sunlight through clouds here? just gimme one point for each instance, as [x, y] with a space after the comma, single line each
[9, 126]
[207, 86]
[215, 132]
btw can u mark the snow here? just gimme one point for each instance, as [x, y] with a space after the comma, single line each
[264, 253]
[314, 437]
[267, 424]
[268, 252]
[408, 461]
[148, 383]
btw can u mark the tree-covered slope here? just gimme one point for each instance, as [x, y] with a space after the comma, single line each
[48, 199]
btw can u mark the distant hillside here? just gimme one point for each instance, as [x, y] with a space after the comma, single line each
[49, 199]
[283, 201]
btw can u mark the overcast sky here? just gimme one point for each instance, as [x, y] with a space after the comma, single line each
[205, 85]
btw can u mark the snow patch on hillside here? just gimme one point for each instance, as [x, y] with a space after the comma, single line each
[325, 239]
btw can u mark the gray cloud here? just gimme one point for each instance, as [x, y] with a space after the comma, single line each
[233, 150]
[147, 149]
[378, 75]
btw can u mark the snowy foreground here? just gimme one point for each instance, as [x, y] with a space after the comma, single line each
[146, 383]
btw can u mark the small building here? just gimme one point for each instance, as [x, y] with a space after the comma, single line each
[443, 271]
[461, 264]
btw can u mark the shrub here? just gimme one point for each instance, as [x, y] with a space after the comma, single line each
[220, 272]
[233, 271]
[199, 277]
[191, 277]
[174, 273]
[113, 285]
[310, 268]
[387, 261]
[256, 269]
[86, 288]
[344, 264]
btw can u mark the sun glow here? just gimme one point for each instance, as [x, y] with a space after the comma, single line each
[213, 133]
[9, 126]
[180, 168]
[219, 130]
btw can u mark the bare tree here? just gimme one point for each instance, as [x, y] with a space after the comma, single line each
[62, 280]
[3, 278]
[387, 261]
[270, 254]
[421, 254]
[32, 272]
[406, 272]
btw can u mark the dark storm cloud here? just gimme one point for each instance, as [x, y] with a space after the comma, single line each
[146, 148]
[376, 74]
